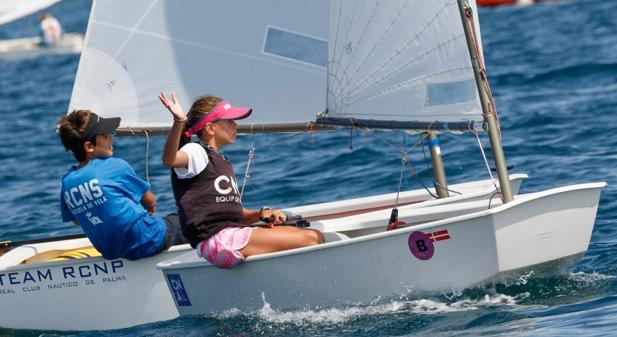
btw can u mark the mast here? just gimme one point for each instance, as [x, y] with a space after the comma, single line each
[441, 181]
[486, 100]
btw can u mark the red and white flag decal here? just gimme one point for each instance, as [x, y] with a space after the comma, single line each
[439, 235]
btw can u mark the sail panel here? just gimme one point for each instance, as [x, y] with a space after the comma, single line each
[13, 10]
[400, 60]
[240, 50]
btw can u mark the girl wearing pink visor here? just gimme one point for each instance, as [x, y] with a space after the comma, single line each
[206, 191]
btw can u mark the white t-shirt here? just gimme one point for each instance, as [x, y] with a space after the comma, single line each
[198, 160]
[52, 31]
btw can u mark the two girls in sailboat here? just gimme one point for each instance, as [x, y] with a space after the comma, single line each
[206, 190]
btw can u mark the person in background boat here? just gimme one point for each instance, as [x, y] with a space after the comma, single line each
[105, 196]
[206, 190]
[51, 30]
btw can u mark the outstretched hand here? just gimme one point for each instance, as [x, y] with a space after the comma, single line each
[173, 106]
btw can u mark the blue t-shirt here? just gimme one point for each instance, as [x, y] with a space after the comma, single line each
[105, 198]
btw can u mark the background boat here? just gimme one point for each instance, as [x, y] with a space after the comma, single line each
[547, 76]
[30, 47]
[22, 48]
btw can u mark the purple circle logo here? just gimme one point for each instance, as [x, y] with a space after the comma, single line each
[421, 246]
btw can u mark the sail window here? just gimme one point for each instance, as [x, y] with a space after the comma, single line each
[450, 93]
[296, 47]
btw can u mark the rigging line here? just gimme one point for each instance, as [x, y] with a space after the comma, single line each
[400, 179]
[147, 150]
[446, 188]
[147, 155]
[246, 172]
[371, 132]
[334, 64]
[359, 87]
[335, 92]
[490, 200]
[401, 86]
[488, 168]
[346, 42]
[404, 161]
[470, 22]
[351, 135]
[415, 174]
[406, 153]
[362, 35]
[338, 26]
[396, 54]
[423, 153]
[134, 29]
[381, 39]
[132, 132]
[251, 156]
[346, 39]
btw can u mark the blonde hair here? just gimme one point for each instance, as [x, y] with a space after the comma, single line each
[200, 108]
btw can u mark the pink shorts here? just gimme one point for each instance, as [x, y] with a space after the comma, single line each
[223, 248]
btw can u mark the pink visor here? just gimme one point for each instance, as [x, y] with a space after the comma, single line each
[223, 110]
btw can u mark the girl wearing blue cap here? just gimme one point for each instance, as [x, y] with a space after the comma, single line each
[105, 197]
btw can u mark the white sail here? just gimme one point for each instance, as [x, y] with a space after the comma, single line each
[268, 54]
[400, 60]
[394, 60]
[14, 9]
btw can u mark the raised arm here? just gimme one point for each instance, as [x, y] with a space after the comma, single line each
[171, 156]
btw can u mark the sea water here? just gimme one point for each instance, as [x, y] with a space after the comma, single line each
[553, 71]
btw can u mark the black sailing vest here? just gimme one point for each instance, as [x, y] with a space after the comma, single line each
[208, 202]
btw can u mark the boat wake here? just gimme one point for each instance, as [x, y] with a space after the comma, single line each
[342, 315]
[526, 291]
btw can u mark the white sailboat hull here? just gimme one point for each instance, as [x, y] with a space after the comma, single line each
[97, 294]
[25, 48]
[86, 294]
[545, 229]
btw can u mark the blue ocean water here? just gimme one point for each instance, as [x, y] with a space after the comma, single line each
[553, 70]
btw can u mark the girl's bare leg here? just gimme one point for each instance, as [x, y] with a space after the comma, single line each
[274, 239]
